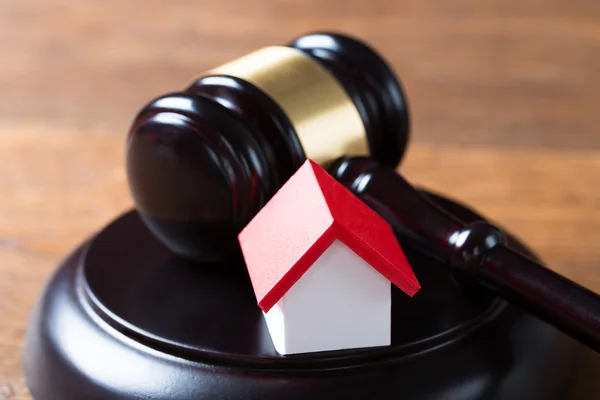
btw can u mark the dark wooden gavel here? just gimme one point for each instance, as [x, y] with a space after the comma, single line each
[201, 163]
[476, 253]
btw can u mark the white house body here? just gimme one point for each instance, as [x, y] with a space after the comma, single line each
[322, 264]
[341, 302]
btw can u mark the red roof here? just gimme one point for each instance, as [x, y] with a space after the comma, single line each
[302, 220]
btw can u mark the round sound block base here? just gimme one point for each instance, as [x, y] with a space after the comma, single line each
[123, 318]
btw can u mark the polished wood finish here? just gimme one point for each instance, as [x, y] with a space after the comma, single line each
[202, 162]
[504, 98]
[196, 312]
[477, 254]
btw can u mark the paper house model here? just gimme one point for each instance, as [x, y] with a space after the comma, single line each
[322, 263]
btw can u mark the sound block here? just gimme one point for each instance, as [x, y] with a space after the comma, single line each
[123, 318]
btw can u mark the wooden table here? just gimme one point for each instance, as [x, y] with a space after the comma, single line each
[505, 98]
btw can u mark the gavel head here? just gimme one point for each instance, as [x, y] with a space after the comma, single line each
[203, 161]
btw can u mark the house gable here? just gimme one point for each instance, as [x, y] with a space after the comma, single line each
[301, 221]
[366, 233]
[341, 302]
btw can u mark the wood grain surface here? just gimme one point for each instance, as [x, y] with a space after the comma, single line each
[505, 98]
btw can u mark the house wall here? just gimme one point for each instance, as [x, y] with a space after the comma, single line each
[341, 302]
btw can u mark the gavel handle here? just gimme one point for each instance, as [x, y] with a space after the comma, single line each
[568, 306]
[476, 253]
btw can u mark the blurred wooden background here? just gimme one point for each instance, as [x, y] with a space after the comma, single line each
[505, 99]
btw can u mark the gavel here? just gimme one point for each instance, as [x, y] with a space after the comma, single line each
[477, 254]
[202, 162]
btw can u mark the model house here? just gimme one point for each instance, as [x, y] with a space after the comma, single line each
[322, 264]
